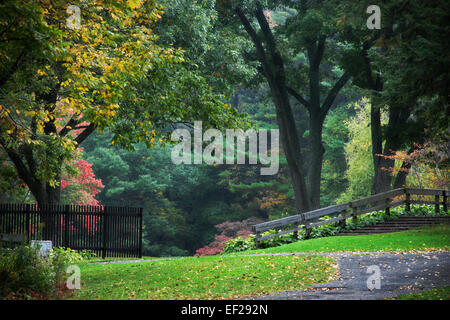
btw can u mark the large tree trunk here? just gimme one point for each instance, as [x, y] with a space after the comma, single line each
[273, 69]
[291, 144]
[315, 160]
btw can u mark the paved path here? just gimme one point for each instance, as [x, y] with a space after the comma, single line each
[399, 274]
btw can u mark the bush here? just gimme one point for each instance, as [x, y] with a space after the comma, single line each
[214, 247]
[240, 244]
[26, 275]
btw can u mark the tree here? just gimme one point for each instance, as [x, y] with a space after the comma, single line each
[402, 66]
[60, 84]
[83, 187]
[358, 153]
[426, 167]
[307, 31]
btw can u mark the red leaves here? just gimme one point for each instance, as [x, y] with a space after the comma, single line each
[214, 247]
[87, 185]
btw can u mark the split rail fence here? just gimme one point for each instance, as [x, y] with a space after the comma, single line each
[339, 213]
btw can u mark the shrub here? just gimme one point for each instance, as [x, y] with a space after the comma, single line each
[26, 275]
[240, 244]
[214, 247]
[228, 230]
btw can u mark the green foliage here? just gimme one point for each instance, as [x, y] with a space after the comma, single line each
[182, 203]
[358, 153]
[26, 275]
[239, 244]
[335, 137]
[70, 256]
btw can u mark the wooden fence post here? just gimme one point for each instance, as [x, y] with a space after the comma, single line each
[387, 211]
[257, 236]
[307, 231]
[444, 201]
[342, 223]
[436, 203]
[354, 211]
[407, 201]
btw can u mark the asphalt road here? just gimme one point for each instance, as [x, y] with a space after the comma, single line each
[374, 276]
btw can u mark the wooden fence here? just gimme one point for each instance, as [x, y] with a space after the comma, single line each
[107, 231]
[339, 213]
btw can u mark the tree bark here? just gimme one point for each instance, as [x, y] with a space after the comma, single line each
[273, 70]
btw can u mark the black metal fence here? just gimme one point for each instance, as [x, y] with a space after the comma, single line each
[107, 231]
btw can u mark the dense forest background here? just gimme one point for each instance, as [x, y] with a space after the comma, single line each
[385, 93]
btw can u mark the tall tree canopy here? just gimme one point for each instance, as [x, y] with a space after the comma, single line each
[60, 83]
[404, 67]
[299, 61]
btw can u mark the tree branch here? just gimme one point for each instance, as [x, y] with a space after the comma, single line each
[298, 97]
[255, 39]
[71, 123]
[86, 133]
[328, 102]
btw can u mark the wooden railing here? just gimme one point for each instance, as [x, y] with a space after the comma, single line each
[339, 213]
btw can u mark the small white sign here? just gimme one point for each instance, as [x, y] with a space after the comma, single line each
[44, 247]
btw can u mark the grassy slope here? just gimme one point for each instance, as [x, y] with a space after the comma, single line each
[423, 239]
[204, 278]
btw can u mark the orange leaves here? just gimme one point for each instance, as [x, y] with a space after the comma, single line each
[271, 199]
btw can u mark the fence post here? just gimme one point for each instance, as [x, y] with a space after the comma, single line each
[444, 201]
[436, 203]
[140, 232]
[27, 210]
[307, 231]
[105, 215]
[387, 211]
[407, 201]
[342, 223]
[295, 235]
[257, 236]
[354, 211]
[66, 225]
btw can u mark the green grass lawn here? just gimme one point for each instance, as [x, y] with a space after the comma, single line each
[423, 239]
[203, 278]
[228, 276]
[432, 294]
